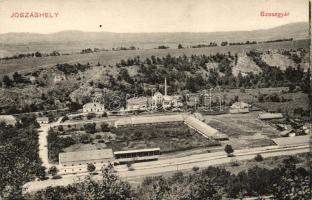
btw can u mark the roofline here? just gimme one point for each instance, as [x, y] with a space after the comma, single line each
[137, 150]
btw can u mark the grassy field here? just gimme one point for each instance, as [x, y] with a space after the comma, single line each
[244, 130]
[111, 57]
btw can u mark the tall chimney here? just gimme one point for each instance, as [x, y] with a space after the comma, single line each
[165, 86]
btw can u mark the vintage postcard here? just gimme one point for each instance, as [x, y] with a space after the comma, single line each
[155, 99]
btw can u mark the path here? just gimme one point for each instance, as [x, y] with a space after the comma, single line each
[43, 142]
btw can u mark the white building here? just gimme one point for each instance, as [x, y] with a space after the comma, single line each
[239, 107]
[42, 120]
[93, 107]
[158, 98]
[76, 162]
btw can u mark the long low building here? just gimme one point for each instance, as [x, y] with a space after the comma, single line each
[297, 140]
[73, 162]
[268, 116]
[149, 120]
[204, 129]
[137, 155]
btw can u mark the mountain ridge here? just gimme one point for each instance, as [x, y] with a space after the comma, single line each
[298, 30]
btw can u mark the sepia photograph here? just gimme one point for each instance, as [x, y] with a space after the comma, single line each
[155, 100]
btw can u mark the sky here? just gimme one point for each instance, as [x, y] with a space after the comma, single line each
[149, 15]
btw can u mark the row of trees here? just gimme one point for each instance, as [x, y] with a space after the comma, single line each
[30, 55]
[17, 78]
[72, 69]
[56, 144]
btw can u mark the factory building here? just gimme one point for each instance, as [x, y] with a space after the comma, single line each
[76, 162]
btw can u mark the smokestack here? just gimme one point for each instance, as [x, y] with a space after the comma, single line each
[165, 86]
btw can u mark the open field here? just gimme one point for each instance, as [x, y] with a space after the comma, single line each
[112, 57]
[244, 130]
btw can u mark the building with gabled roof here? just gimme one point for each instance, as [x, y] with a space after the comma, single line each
[42, 120]
[137, 103]
[77, 161]
[239, 107]
[93, 107]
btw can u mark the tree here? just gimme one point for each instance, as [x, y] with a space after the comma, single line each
[40, 173]
[229, 150]
[17, 77]
[104, 127]
[7, 82]
[38, 54]
[224, 43]
[53, 171]
[90, 168]
[180, 46]
[258, 158]
[91, 115]
[104, 114]
[74, 106]
[109, 187]
[90, 128]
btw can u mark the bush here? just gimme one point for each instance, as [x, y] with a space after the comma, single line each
[234, 163]
[98, 137]
[91, 167]
[65, 118]
[229, 150]
[258, 158]
[90, 128]
[104, 127]
[91, 115]
[57, 177]
[60, 128]
[195, 168]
